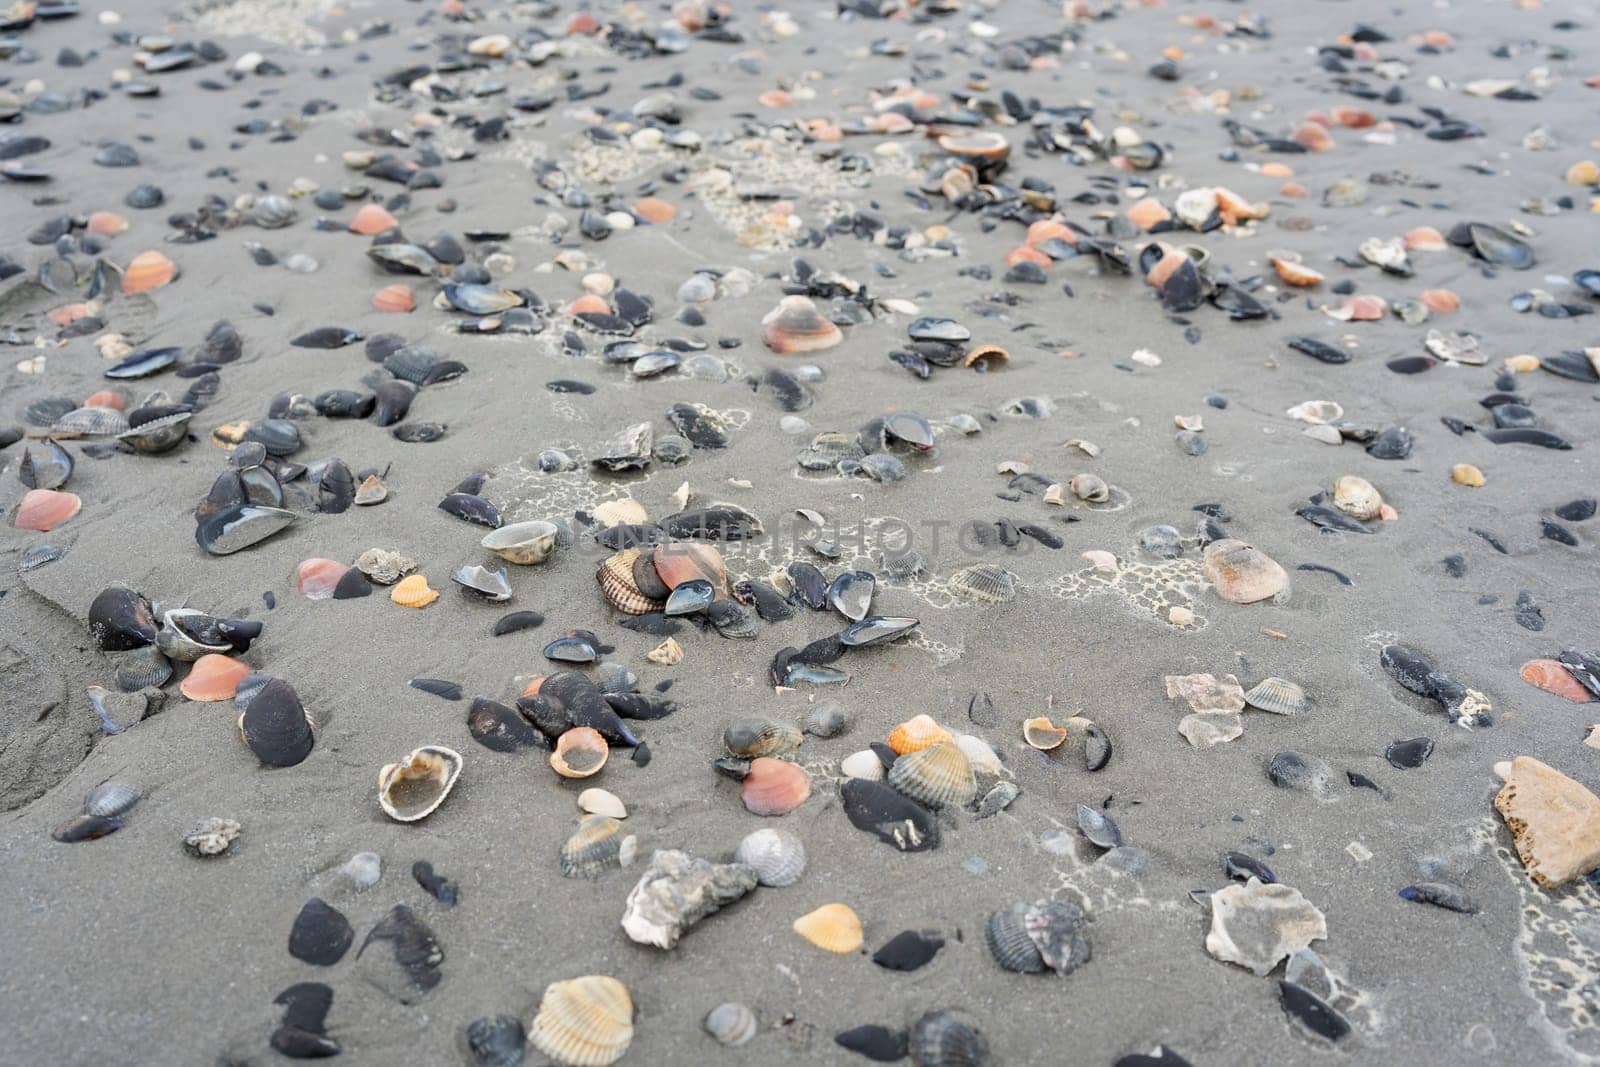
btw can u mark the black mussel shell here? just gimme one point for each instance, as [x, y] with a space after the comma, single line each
[1410, 668]
[808, 583]
[120, 620]
[1580, 510]
[723, 522]
[653, 623]
[238, 633]
[143, 364]
[276, 727]
[1406, 755]
[352, 586]
[888, 815]
[639, 706]
[631, 535]
[1330, 519]
[44, 465]
[517, 621]
[877, 1043]
[1315, 1013]
[1494, 245]
[439, 687]
[875, 629]
[1241, 867]
[437, 886]
[86, 828]
[279, 437]
[730, 619]
[500, 1041]
[240, 526]
[908, 950]
[419, 433]
[416, 949]
[690, 598]
[1441, 895]
[327, 337]
[543, 715]
[321, 935]
[1527, 435]
[393, 401]
[336, 489]
[1319, 350]
[498, 728]
[1393, 443]
[701, 431]
[344, 404]
[570, 649]
[770, 605]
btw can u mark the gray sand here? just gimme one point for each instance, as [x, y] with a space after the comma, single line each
[128, 950]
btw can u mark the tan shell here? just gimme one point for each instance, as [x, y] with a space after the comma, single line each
[596, 801]
[413, 592]
[1090, 487]
[411, 789]
[615, 575]
[938, 776]
[580, 753]
[523, 543]
[623, 510]
[1043, 734]
[597, 845]
[832, 928]
[668, 653]
[1294, 273]
[1554, 821]
[993, 357]
[1242, 573]
[584, 1022]
[917, 733]
[1356, 497]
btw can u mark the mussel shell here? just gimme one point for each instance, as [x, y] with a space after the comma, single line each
[120, 620]
[890, 816]
[392, 401]
[490, 584]
[875, 629]
[44, 465]
[1098, 827]
[276, 727]
[471, 508]
[143, 364]
[109, 799]
[808, 584]
[850, 594]
[321, 934]
[240, 526]
[690, 598]
[499, 729]
[86, 828]
[721, 522]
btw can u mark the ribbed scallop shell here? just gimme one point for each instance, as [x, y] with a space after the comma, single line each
[986, 582]
[110, 798]
[615, 575]
[413, 592]
[1277, 695]
[91, 422]
[584, 1022]
[938, 776]
[832, 928]
[623, 510]
[1009, 943]
[413, 788]
[759, 737]
[916, 733]
[778, 856]
[580, 753]
[595, 846]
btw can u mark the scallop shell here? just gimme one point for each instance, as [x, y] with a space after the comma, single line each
[1356, 497]
[1242, 573]
[148, 270]
[1009, 943]
[1277, 695]
[938, 776]
[916, 733]
[1043, 734]
[774, 787]
[214, 677]
[778, 856]
[759, 737]
[597, 844]
[615, 575]
[413, 592]
[524, 543]
[110, 798]
[584, 1022]
[580, 753]
[796, 325]
[623, 510]
[731, 1024]
[411, 789]
[832, 928]
[986, 582]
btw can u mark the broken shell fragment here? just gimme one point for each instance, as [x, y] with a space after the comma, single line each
[1042, 734]
[414, 788]
[580, 753]
[832, 928]
[1256, 924]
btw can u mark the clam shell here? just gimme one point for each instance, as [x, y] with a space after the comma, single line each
[141, 668]
[597, 844]
[1009, 943]
[774, 787]
[622, 511]
[796, 325]
[779, 858]
[580, 753]
[214, 677]
[186, 635]
[985, 582]
[600, 802]
[684, 561]
[759, 737]
[863, 764]
[938, 776]
[524, 543]
[42, 510]
[109, 799]
[832, 928]
[1356, 497]
[584, 1022]
[1277, 695]
[982, 756]
[1057, 930]
[413, 788]
[44, 465]
[917, 733]
[731, 1024]
[146, 271]
[1242, 573]
[1043, 734]
[617, 585]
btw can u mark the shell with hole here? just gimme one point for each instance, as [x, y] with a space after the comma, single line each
[415, 787]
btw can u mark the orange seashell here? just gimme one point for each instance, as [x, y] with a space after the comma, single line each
[583, 22]
[316, 578]
[534, 685]
[67, 314]
[796, 325]
[823, 130]
[1552, 677]
[1277, 170]
[413, 592]
[149, 270]
[654, 210]
[42, 510]
[832, 928]
[1169, 262]
[589, 303]
[917, 733]
[1312, 136]
[1438, 39]
[1235, 208]
[1440, 300]
[681, 561]
[214, 677]
[372, 219]
[1044, 229]
[1147, 212]
[106, 398]
[396, 299]
[1293, 189]
[1424, 239]
[1043, 734]
[1027, 254]
[580, 753]
[890, 122]
[106, 224]
[774, 786]
[1353, 117]
[774, 98]
[1294, 273]
[1361, 308]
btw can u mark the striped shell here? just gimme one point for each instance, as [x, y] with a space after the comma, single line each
[731, 1024]
[110, 798]
[916, 733]
[944, 1039]
[981, 754]
[832, 928]
[1277, 695]
[778, 856]
[615, 575]
[413, 788]
[91, 422]
[597, 845]
[759, 737]
[584, 1022]
[986, 582]
[413, 592]
[939, 776]
[1009, 943]
[622, 511]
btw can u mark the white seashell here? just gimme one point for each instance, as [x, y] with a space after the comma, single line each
[584, 1022]
[363, 869]
[411, 789]
[863, 764]
[980, 754]
[778, 856]
[600, 802]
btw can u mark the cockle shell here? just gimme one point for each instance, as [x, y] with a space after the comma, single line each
[413, 788]
[413, 592]
[597, 845]
[832, 928]
[584, 1022]
[617, 584]
[774, 787]
[779, 858]
[938, 776]
[916, 733]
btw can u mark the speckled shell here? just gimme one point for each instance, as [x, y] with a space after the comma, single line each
[938, 776]
[832, 928]
[584, 1022]
[415, 787]
[778, 856]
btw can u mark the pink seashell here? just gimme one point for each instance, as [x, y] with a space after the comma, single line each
[316, 579]
[45, 509]
[775, 786]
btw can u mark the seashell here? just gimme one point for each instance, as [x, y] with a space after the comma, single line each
[44, 465]
[580, 753]
[1278, 696]
[157, 433]
[1553, 677]
[938, 776]
[584, 1022]
[120, 620]
[680, 562]
[778, 856]
[148, 270]
[1089, 487]
[1042, 734]
[394, 299]
[321, 934]
[596, 801]
[832, 928]
[371, 491]
[668, 653]
[1007, 937]
[1295, 273]
[90, 422]
[597, 845]
[750, 738]
[1356, 497]
[1256, 925]
[572, 648]
[1242, 573]
[731, 1024]
[383, 566]
[214, 677]
[413, 788]
[275, 725]
[273, 212]
[985, 582]
[690, 598]
[109, 799]
[986, 358]
[796, 325]
[825, 720]
[617, 584]
[42, 510]
[864, 764]
[774, 787]
[1554, 821]
[316, 579]
[888, 815]
[1056, 928]
[481, 581]
[143, 668]
[979, 753]
[499, 1041]
[238, 527]
[1098, 827]
[524, 543]
[917, 733]
[372, 219]
[86, 828]
[943, 1039]
[413, 592]
[850, 594]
